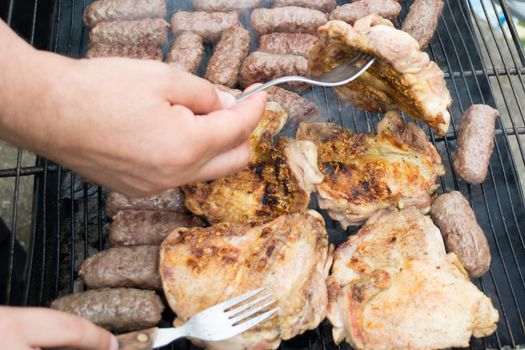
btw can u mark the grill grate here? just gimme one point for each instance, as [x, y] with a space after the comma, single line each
[482, 64]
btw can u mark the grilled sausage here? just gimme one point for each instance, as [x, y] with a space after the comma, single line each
[422, 20]
[187, 52]
[170, 200]
[225, 5]
[290, 19]
[230, 52]
[119, 309]
[134, 267]
[262, 67]
[288, 43]
[143, 52]
[353, 11]
[147, 227]
[209, 25]
[321, 5]
[118, 10]
[139, 32]
[297, 107]
[462, 235]
[475, 143]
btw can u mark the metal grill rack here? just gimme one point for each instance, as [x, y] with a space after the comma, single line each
[482, 64]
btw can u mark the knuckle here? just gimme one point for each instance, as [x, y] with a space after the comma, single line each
[76, 330]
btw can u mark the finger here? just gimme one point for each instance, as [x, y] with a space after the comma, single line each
[198, 94]
[44, 328]
[226, 163]
[226, 129]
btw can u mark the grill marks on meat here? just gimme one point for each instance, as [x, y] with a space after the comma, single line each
[225, 5]
[187, 52]
[402, 77]
[321, 5]
[422, 20]
[394, 287]
[123, 267]
[139, 32]
[143, 52]
[364, 173]
[356, 10]
[147, 227]
[288, 43]
[169, 200]
[263, 66]
[115, 10]
[116, 309]
[230, 52]
[289, 256]
[290, 19]
[209, 25]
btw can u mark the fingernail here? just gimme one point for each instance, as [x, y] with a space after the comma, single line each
[227, 100]
[114, 343]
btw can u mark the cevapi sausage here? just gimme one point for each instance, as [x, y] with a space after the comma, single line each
[116, 309]
[475, 143]
[135, 267]
[422, 20]
[187, 52]
[209, 25]
[147, 227]
[170, 200]
[143, 52]
[290, 19]
[353, 11]
[263, 66]
[139, 32]
[297, 107]
[118, 10]
[321, 5]
[230, 52]
[288, 43]
[462, 235]
[225, 5]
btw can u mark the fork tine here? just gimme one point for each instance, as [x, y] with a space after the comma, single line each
[244, 326]
[239, 309]
[232, 302]
[244, 315]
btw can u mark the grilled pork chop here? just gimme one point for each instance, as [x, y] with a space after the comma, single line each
[289, 256]
[365, 172]
[393, 286]
[277, 181]
[402, 77]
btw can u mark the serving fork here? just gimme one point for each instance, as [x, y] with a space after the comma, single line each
[219, 322]
[341, 75]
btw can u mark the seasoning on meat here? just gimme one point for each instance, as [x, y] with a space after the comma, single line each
[422, 20]
[288, 43]
[169, 200]
[225, 5]
[353, 11]
[134, 267]
[260, 67]
[297, 107]
[475, 143]
[116, 309]
[209, 25]
[187, 52]
[143, 52]
[230, 52]
[139, 32]
[147, 227]
[321, 5]
[290, 19]
[118, 10]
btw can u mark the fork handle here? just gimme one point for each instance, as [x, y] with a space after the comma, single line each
[139, 340]
[282, 80]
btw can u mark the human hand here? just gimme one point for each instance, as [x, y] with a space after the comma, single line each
[36, 328]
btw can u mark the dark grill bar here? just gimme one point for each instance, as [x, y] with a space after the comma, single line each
[482, 64]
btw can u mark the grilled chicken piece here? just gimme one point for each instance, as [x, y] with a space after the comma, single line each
[393, 286]
[402, 77]
[277, 181]
[289, 256]
[365, 172]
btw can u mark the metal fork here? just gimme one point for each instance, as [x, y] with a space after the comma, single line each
[219, 322]
[341, 75]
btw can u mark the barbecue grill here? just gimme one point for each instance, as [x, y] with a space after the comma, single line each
[483, 63]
